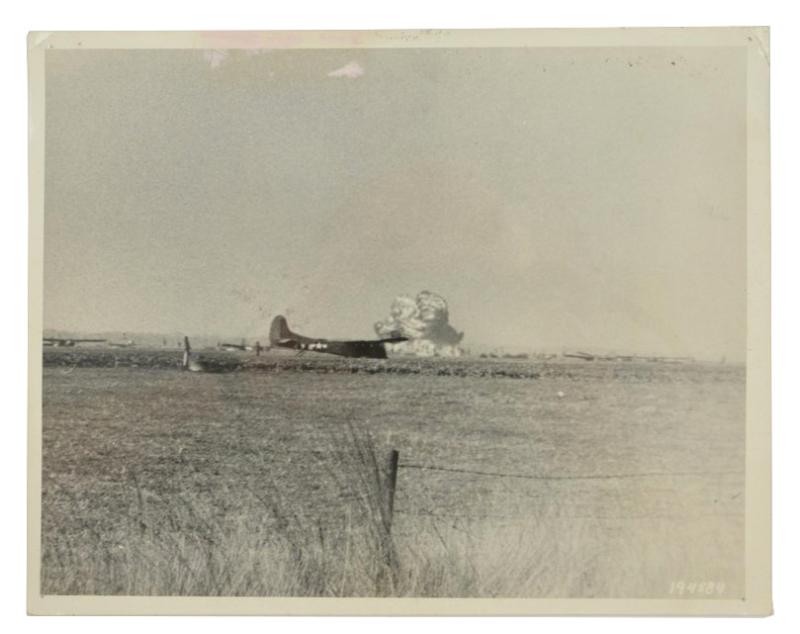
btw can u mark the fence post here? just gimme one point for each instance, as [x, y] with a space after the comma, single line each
[391, 486]
[388, 579]
[187, 351]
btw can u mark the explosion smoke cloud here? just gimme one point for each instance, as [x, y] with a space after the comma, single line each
[425, 321]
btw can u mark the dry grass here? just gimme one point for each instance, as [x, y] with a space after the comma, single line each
[259, 487]
[183, 548]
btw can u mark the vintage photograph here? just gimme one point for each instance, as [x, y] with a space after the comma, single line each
[399, 315]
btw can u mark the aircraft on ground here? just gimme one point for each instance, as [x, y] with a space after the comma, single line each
[580, 355]
[195, 363]
[128, 343]
[585, 356]
[231, 347]
[58, 342]
[281, 336]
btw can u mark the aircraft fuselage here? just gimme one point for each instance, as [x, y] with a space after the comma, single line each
[282, 337]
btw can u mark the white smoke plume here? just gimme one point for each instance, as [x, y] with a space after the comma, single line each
[425, 321]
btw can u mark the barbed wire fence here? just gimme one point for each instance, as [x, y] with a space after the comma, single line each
[394, 464]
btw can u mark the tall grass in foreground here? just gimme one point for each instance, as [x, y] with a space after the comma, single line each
[183, 545]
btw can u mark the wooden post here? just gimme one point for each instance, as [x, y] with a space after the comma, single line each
[388, 578]
[391, 486]
[187, 349]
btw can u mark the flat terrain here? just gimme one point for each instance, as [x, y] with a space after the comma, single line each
[557, 479]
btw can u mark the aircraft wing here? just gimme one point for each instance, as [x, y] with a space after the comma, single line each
[395, 339]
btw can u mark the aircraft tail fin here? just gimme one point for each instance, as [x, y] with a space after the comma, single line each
[279, 330]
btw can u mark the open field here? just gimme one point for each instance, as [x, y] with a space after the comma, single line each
[547, 480]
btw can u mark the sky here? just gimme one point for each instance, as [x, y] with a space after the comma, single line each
[555, 197]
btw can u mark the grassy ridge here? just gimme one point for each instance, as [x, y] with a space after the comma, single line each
[283, 361]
